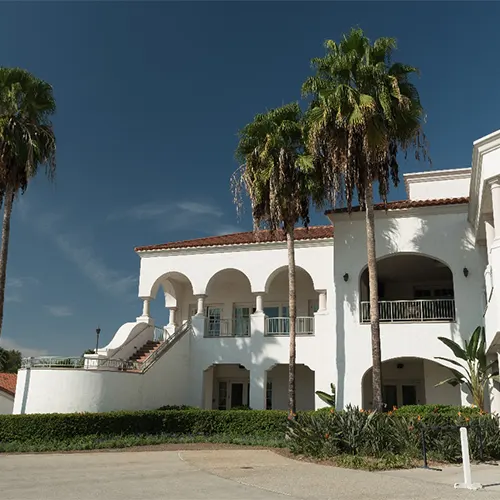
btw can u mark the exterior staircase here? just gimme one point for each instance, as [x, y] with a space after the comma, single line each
[145, 351]
[146, 356]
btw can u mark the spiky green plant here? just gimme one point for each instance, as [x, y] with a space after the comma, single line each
[329, 399]
[475, 371]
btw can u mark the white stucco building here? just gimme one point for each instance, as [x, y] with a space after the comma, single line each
[227, 341]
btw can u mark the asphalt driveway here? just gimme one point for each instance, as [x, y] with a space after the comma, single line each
[219, 474]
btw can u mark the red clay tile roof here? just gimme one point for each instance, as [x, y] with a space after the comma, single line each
[312, 233]
[399, 205]
[8, 383]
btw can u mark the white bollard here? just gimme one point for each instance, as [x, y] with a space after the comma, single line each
[467, 484]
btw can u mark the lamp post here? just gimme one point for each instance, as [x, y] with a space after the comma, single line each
[98, 332]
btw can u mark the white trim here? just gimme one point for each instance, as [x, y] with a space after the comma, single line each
[480, 148]
[435, 175]
[403, 212]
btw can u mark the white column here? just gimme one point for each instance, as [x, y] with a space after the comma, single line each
[145, 316]
[495, 394]
[495, 200]
[259, 309]
[145, 307]
[490, 236]
[322, 301]
[201, 305]
[172, 316]
[257, 388]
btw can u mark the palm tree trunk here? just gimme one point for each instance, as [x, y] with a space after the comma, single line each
[7, 212]
[292, 311]
[374, 311]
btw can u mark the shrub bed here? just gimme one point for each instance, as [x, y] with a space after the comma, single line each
[357, 432]
[46, 427]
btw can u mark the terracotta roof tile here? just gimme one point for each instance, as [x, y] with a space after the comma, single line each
[312, 233]
[8, 383]
[399, 205]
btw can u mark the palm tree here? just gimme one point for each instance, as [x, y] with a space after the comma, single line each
[274, 175]
[364, 110]
[27, 142]
[477, 372]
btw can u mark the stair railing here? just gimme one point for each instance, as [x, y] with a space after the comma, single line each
[143, 366]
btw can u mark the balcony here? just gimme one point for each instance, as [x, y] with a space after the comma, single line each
[233, 327]
[422, 310]
[281, 326]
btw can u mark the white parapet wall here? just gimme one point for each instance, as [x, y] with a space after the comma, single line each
[67, 390]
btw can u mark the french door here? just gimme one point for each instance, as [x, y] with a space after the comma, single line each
[232, 394]
[214, 324]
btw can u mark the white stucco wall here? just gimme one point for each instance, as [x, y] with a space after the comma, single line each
[69, 390]
[304, 387]
[265, 269]
[443, 395]
[6, 403]
[442, 233]
[437, 184]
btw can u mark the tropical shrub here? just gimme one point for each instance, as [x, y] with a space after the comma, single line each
[475, 372]
[374, 434]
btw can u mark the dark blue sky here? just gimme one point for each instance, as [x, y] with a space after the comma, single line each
[150, 98]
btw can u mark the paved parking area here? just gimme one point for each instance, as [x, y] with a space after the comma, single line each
[219, 474]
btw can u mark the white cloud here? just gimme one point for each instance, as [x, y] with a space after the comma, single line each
[15, 287]
[93, 267]
[59, 311]
[83, 256]
[192, 215]
[8, 343]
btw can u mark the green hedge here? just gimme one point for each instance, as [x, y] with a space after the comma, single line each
[40, 427]
[430, 411]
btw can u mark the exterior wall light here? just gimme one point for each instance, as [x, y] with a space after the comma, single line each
[466, 272]
[346, 277]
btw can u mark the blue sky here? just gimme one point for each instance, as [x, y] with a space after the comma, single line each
[150, 98]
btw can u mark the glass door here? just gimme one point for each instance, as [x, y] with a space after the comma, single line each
[236, 394]
[409, 393]
[214, 316]
[390, 394]
[222, 395]
[241, 321]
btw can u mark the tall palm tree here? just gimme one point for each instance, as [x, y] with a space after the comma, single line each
[363, 111]
[27, 142]
[274, 175]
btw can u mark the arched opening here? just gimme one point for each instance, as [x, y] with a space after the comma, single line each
[226, 387]
[411, 381]
[276, 304]
[170, 294]
[277, 387]
[229, 304]
[411, 288]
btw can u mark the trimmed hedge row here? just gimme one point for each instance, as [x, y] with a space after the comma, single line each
[431, 411]
[40, 427]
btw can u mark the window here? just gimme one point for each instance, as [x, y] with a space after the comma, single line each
[241, 320]
[430, 292]
[269, 395]
[222, 395]
[276, 311]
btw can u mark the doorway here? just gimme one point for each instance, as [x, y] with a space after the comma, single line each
[232, 394]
